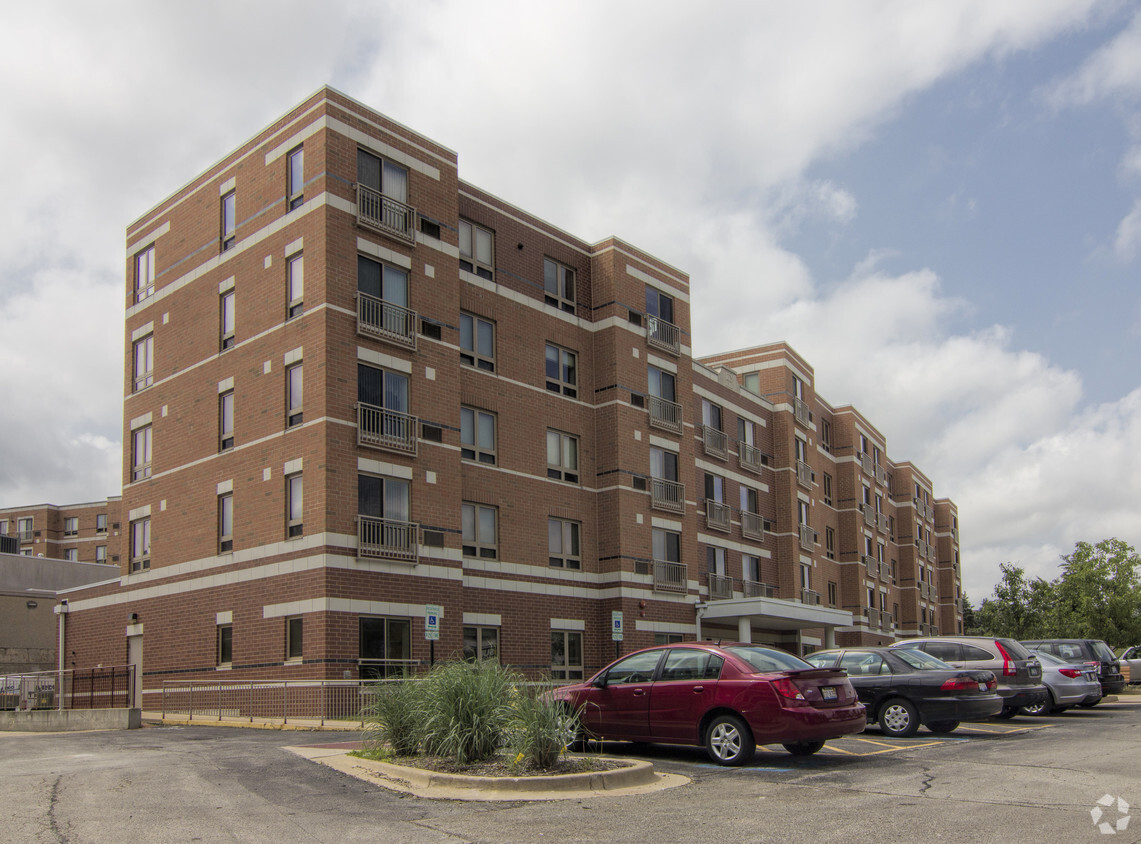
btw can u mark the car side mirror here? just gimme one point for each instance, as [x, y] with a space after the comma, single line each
[599, 682]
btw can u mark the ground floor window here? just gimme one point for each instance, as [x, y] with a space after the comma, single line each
[385, 647]
[481, 643]
[566, 655]
[225, 645]
[293, 638]
[667, 638]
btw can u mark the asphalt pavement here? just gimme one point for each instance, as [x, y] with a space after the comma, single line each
[1028, 779]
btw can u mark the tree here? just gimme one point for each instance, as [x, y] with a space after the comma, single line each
[1098, 595]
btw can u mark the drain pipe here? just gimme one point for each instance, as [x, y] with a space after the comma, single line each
[61, 611]
[700, 612]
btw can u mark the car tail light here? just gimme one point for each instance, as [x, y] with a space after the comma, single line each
[1070, 672]
[961, 684]
[787, 690]
[1008, 667]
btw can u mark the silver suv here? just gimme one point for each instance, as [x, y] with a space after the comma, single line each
[1018, 671]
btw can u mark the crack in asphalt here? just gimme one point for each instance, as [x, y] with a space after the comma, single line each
[53, 820]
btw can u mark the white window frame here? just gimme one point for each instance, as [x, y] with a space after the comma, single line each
[294, 395]
[564, 543]
[145, 273]
[229, 221]
[295, 285]
[141, 452]
[144, 362]
[295, 177]
[562, 456]
[71, 526]
[141, 544]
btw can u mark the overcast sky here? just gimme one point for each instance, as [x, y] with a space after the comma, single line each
[937, 204]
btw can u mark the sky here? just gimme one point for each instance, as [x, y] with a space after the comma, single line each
[937, 204]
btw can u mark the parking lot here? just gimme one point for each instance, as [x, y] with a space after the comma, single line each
[1028, 779]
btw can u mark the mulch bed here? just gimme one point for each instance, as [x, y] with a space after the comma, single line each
[504, 767]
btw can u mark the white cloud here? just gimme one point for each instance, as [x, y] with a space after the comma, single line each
[1112, 71]
[1128, 238]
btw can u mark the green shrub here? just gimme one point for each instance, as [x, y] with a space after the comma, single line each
[393, 716]
[541, 727]
[466, 710]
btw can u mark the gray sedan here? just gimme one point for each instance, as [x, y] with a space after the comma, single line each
[1068, 684]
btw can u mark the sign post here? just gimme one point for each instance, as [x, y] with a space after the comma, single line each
[432, 615]
[616, 631]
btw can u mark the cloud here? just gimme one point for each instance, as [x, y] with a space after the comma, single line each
[1128, 238]
[1113, 71]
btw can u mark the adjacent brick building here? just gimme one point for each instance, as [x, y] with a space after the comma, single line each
[81, 533]
[357, 386]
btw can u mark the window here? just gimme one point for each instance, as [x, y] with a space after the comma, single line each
[71, 554]
[566, 655]
[801, 449]
[100, 553]
[229, 222]
[801, 512]
[558, 285]
[476, 250]
[662, 384]
[295, 395]
[141, 453]
[225, 523]
[481, 643]
[145, 274]
[751, 568]
[294, 638]
[667, 638]
[385, 647]
[141, 544]
[382, 302]
[295, 184]
[745, 431]
[477, 342]
[562, 544]
[715, 560]
[830, 543]
[295, 282]
[827, 489]
[659, 305]
[663, 464]
[562, 371]
[831, 593]
[826, 435]
[24, 528]
[714, 488]
[562, 456]
[382, 413]
[805, 577]
[225, 645]
[226, 420]
[477, 435]
[3, 527]
[71, 526]
[100, 523]
[226, 318]
[382, 176]
[710, 415]
[636, 668]
[691, 665]
[666, 545]
[294, 506]
[749, 500]
[144, 362]
[480, 537]
[752, 382]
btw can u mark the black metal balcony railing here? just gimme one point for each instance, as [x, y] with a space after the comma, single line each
[663, 335]
[665, 414]
[718, 516]
[385, 214]
[752, 525]
[379, 427]
[386, 321]
[757, 589]
[388, 539]
[715, 442]
[667, 495]
[749, 456]
[720, 587]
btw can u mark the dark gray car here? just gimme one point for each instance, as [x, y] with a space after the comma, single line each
[1017, 669]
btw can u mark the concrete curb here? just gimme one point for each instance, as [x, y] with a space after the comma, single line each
[637, 777]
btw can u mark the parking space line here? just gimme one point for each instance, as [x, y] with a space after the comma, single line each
[873, 741]
[1002, 731]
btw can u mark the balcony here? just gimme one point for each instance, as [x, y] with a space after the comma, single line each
[718, 516]
[385, 321]
[663, 335]
[668, 577]
[885, 572]
[800, 411]
[385, 214]
[390, 430]
[807, 538]
[881, 518]
[934, 628]
[809, 596]
[665, 414]
[881, 474]
[803, 474]
[869, 515]
[715, 442]
[720, 587]
[667, 495]
[887, 622]
[756, 589]
[388, 539]
[873, 616]
[25, 535]
[749, 456]
[752, 525]
[866, 463]
[870, 564]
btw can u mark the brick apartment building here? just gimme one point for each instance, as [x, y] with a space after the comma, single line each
[357, 385]
[80, 533]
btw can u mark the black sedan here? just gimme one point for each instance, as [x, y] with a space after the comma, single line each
[904, 688]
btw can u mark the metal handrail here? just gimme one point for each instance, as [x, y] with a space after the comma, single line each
[385, 320]
[392, 430]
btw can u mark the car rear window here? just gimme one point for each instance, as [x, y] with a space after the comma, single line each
[1103, 652]
[1015, 648]
[918, 659]
[766, 659]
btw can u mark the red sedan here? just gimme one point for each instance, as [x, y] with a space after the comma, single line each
[727, 697]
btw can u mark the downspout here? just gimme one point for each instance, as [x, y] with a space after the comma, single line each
[61, 611]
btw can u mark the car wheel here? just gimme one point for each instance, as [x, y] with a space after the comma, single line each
[943, 727]
[1008, 712]
[803, 748]
[1044, 708]
[898, 718]
[729, 741]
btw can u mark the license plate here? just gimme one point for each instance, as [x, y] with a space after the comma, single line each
[982, 687]
[828, 692]
[1035, 670]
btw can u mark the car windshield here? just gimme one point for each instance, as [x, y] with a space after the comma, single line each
[1101, 649]
[1015, 648]
[767, 659]
[919, 659]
